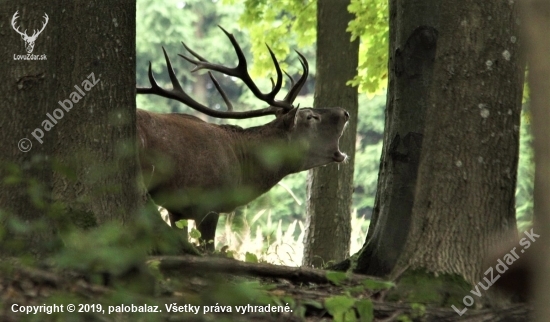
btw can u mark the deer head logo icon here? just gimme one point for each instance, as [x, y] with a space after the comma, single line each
[29, 40]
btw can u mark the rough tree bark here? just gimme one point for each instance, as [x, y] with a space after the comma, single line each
[465, 60]
[25, 101]
[88, 160]
[330, 188]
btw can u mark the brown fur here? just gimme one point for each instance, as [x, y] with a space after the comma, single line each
[196, 169]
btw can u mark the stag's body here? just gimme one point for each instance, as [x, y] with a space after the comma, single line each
[183, 153]
[197, 169]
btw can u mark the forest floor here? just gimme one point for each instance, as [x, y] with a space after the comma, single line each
[190, 288]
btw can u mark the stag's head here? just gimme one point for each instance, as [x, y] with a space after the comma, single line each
[29, 40]
[315, 133]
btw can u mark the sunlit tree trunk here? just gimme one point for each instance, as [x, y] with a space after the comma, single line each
[330, 188]
[536, 22]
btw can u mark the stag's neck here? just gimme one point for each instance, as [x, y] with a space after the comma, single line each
[258, 171]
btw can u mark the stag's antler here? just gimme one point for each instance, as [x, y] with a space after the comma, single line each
[241, 72]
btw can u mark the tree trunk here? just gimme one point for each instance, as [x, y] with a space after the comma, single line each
[86, 85]
[26, 98]
[411, 59]
[97, 139]
[330, 188]
[461, 201]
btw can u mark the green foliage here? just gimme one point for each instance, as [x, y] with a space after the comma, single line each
[182, 224]
[344, 308]
[419, 286]
[115, 250]
[341, 308]
[365, 310]
[371, 25]
[419, 310]
[277, 24]
[336, 277]
[375, 285]
[526, 175]
[251, 258]
[195, 233]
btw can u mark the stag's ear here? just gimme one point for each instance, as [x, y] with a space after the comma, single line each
[290, 119]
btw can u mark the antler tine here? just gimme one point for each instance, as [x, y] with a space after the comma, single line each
[177, 93]
[199, 57]
[214, 80]
[241, 72]
[221, 91]
[295, 88]
[278, 82]
[290, 78]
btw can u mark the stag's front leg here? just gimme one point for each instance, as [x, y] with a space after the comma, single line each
[207, 227]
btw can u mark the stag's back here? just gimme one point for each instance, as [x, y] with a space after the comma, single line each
[179, 150]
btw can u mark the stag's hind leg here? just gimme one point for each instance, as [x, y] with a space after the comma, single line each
[167, 241]
[207, 227]
[174, 217]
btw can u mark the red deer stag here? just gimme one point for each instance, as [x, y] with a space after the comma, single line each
[197, 170]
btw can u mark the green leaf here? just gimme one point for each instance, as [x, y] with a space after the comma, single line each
[336, 277]
[313, 303]
[250, 258]
[231, 254]
[12, 180]
[340, 307]
[194, 233]
[377, 285]
[182, 224]
[365, 309]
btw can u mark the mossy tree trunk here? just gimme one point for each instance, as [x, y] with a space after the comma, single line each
[447, 180]
[82, 157]
[330, 188]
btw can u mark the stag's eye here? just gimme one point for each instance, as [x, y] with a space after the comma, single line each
[311, 116]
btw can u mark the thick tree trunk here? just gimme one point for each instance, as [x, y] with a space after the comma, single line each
[26, 98]
[330, 188]
[86, 85]
[97, 137]
[461, 202]
[411, 62]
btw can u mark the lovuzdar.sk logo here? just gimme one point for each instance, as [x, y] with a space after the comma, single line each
[29, 40]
